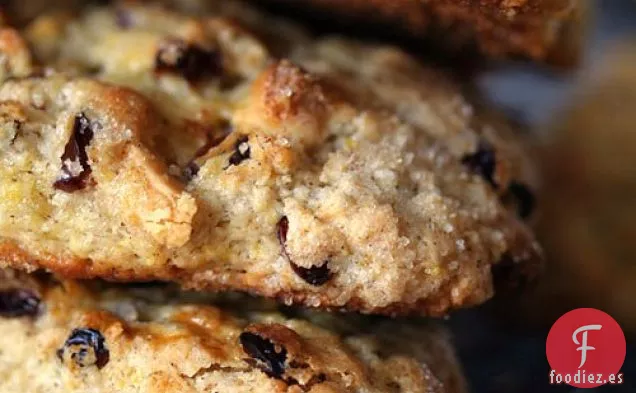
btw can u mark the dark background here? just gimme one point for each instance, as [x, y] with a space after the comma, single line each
[534, 94]
[499, 358]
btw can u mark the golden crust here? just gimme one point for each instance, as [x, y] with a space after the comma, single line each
[12, 256]
[154, 341]
[155, 145]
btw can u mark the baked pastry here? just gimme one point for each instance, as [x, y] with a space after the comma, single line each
[72, 337]
[588, 222]
[545, 30]
[19, 12]
[154, 145]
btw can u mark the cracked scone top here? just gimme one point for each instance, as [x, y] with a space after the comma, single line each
[230, 151]
[68, 337]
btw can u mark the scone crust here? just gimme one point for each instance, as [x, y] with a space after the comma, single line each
[68, 337]
[536, 29]
[151, 144]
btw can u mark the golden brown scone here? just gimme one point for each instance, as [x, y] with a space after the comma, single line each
[588, 220]
[157, 145]
[72, 337]
[544, 30]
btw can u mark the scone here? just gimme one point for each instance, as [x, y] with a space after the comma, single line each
[71, 337]
[589, 221]
[149, 144]
[18, 12]
[544, 30]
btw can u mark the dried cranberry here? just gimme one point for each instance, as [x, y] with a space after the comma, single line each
[315, 275]
[241, 151]
[483, 162]
[271, 358]
[523, 198]
[86, 347]
[19, 303]
[75, 153]
[191, 61]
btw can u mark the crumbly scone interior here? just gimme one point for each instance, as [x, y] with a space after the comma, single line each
[149, 143]
[149, 340]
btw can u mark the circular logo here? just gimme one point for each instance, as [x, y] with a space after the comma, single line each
[586, 348]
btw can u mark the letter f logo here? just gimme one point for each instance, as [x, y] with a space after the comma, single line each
[583, 344]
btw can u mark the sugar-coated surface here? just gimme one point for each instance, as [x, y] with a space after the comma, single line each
[207, 131]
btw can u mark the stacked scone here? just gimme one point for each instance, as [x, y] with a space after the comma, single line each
[208, 145]
[548, 31]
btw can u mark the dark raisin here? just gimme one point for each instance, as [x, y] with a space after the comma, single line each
[283, 227]
[523, 198]
[15, 131]
[86, 347]
[482, 162]
[271, 357]
[213, 139]
[19, 303]
[190, 171]
[123, 18]
[72, 178]
[315, 380]
[94, 70]
[230, 81]
[315, 275]
[241, 151]
[191, 61]
[513, 276]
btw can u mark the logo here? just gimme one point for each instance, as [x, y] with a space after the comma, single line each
[586, 349]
